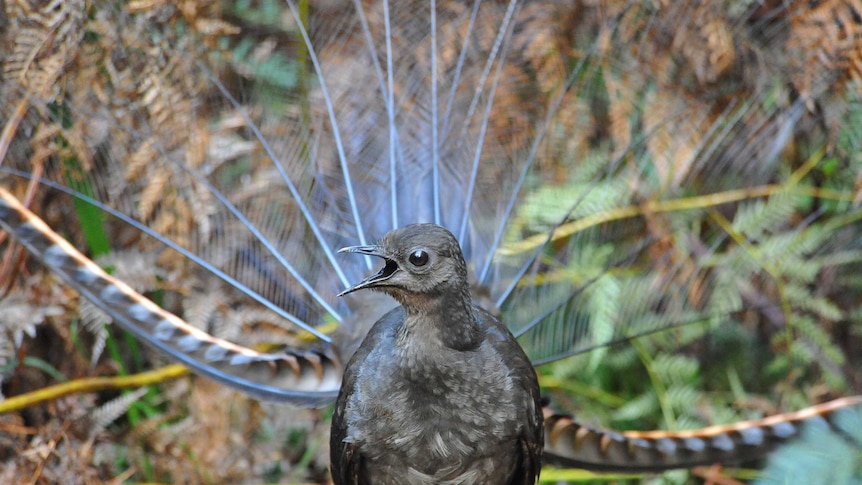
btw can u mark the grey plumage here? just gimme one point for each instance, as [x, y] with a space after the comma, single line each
[439, 391]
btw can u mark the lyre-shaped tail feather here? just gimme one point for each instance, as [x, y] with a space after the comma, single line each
[569, 443]
[303, 377]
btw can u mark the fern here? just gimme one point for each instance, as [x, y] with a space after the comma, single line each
[100, 418]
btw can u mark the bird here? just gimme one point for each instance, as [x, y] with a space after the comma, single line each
[439, 391]
[595, 202]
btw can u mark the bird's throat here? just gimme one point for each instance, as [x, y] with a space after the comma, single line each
[439, 323]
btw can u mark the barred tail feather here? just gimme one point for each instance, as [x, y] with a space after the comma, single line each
[572, 444]
[302, 377]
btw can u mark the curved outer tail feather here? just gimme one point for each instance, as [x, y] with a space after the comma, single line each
[308, 377]
[572, 444]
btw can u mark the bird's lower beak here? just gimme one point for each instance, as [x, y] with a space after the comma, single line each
[376, 279]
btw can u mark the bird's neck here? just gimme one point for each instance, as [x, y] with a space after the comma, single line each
[449, 319]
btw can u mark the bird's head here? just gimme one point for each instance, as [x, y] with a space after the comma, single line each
[420, 261]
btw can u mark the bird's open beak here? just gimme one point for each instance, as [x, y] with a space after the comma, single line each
[376, 279]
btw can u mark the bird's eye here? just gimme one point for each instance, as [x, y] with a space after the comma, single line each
[418, 258]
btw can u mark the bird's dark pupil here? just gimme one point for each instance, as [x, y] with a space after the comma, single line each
[419, 258]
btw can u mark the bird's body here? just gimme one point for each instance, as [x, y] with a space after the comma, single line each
[439, 391]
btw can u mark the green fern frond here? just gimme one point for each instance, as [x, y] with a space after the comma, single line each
[675, 369]
[760, 218]
[604, 300]
[812, 347]
[820, 306]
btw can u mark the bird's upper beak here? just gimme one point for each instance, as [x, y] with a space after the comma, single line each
[376, 279]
